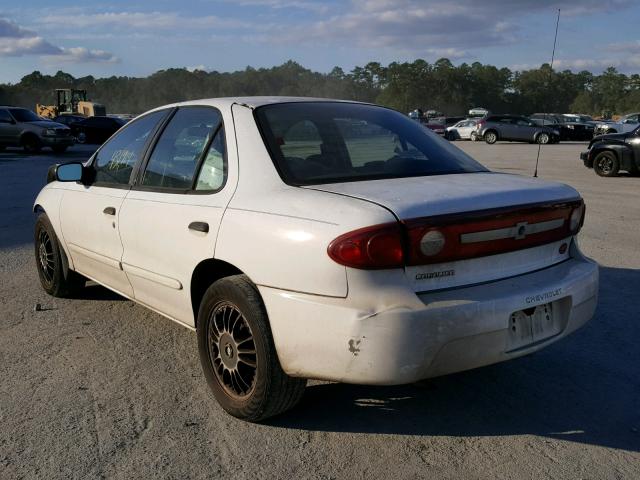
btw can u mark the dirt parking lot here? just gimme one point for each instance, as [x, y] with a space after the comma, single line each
[98, 387]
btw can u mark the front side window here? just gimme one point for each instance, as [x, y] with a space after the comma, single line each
[353, 142]
[5, 117]
[114, 162]
[180, 149]
[24, 115]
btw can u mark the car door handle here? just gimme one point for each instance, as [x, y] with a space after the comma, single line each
[109, 211]
[199, 227]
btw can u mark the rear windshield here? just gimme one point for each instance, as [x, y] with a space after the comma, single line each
[328, 142]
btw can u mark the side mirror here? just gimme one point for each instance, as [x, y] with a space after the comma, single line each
[67, 172]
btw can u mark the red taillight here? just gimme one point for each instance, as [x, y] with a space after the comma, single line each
[370, 248]
[480, 124]
[454, 237]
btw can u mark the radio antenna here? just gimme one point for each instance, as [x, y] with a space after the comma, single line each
[544, 118]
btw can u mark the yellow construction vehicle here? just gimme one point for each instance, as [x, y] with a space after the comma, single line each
[69, 100]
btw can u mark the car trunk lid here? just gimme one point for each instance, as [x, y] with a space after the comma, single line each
[505, 225]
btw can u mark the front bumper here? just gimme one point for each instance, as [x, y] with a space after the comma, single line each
[584, 156]
[444, 332]
[51, 141]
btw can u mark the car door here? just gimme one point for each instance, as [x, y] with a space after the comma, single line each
[9, 130]
[508, 130]
[89, 214]
[170, 219]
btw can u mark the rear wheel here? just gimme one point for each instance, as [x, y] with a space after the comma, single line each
[491, 137]
[606, 164]
[543, 138]
[31, 144]
[49, 262]
[238, 355]
[82, 137]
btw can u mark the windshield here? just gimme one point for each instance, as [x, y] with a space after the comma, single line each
[24, 115]
[327, 142]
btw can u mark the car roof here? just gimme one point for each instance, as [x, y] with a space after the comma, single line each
[253, 102]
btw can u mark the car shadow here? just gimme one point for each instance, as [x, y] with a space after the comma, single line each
[585, 388]
[95, 291]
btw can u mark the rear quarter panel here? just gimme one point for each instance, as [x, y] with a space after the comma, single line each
[278, 234]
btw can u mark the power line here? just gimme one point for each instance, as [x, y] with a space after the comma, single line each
[544, 118]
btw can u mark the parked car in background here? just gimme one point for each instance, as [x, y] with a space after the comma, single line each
[610, 153]
[449, 121]
[463, 130]
[96, 129]
[68, 119]
[299, 247]
[437, 124]
[478, 112]
[515, 128]
[625, 124]
[20, 127]
[570, 127]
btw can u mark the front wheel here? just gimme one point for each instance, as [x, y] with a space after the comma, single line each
[238, 354]
[543, 138]
[49, 262]
[606, 164]
[474, 137]
[491, 137]
[31, 144]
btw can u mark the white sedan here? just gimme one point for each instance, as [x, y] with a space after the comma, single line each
[463, 130]
[308, 238]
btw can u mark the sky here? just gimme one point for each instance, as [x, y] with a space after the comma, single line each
[139, 37]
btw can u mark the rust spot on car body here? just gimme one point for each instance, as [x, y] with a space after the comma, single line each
[354, 346]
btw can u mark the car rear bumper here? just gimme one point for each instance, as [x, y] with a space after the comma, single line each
[445, 332]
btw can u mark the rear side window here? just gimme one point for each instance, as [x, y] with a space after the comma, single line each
[114, 162]
[346, 142]
[180, 151]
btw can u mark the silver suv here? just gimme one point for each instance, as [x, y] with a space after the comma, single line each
[514, 128]
[20, 127]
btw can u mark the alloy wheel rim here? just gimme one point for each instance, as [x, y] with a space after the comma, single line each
[232, 350]
[606, 164]
[45, 256]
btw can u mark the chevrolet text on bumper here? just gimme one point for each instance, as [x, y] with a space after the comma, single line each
[318, 239]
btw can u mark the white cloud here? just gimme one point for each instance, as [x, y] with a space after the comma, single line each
[137, 20]
[16, 41]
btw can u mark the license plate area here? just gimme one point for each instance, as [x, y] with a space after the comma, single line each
[533, 325]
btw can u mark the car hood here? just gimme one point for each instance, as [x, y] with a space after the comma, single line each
[620, 137]
[455, 193]
[47, 124]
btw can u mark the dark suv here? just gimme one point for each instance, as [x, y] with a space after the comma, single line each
[515, 128]
[20, 127]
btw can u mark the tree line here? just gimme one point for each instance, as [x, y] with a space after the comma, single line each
[404, 86]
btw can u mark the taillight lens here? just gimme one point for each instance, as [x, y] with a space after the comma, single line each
[455, 237]
[370, 248]
[577, 219]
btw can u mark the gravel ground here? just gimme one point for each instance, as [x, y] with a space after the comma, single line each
[99, 387]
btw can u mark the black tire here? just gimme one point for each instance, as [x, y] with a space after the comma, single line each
[59, 149]
[543, 138]
[81, 137]
[50, 262]
[491, 137]
[474, 137]
[31, 144]
[250, 385]
[606, 164]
